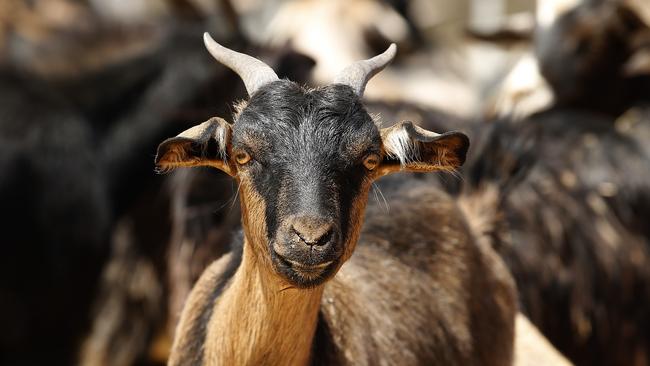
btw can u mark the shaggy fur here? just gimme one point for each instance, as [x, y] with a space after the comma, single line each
[573, 227]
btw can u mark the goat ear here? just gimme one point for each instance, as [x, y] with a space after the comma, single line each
[408, 147]
[207, 144]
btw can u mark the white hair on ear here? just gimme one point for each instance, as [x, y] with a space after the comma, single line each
[220, 136]
[398, 145]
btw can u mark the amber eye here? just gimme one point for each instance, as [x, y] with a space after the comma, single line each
[242, 157]
[371, 161]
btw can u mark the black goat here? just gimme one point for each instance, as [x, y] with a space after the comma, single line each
[573, 227]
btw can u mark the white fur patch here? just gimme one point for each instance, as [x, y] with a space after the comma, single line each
[220, 136]
[398, 145]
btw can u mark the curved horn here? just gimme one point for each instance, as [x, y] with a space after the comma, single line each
[359, 73]
[252, 71]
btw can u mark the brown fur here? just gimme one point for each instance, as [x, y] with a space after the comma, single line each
[417, 291]
[432, 293]
[199, 298]
[265, 323]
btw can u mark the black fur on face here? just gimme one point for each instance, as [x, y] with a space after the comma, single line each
[306, 150]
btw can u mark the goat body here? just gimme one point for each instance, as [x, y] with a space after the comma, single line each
[418, 290]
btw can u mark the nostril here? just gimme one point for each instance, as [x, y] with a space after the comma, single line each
[313, 235]
[325, 238]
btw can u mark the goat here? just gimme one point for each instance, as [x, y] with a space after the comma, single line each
[596, 46]
[415, 292]
[573, 227]
[582, 49]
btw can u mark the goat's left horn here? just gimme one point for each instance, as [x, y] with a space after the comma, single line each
[253, 72]
[359, 73]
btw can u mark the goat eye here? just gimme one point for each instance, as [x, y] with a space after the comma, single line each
[371, 161]
[242, 158]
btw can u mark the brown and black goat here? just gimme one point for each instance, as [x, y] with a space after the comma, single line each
[419, 289]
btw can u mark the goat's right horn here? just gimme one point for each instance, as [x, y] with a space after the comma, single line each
[253, 72]
[359, 73]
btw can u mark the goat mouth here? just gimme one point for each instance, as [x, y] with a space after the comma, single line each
[305, 275]
[319, 268]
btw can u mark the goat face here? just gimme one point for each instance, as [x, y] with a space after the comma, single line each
[305, 160]
[308, 157]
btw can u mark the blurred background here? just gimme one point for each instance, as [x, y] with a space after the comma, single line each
[98, 252]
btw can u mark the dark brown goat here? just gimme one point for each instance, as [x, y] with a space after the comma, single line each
[595, 56]
[574, 231]
[575, 234]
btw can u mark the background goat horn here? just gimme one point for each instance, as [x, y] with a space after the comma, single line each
[359, 73]
[252, 71]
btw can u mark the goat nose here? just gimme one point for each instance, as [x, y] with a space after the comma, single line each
[312, 231]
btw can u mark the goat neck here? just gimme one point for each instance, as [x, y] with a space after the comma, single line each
[267, 321]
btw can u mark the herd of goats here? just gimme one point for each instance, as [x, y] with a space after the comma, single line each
[524, 210]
